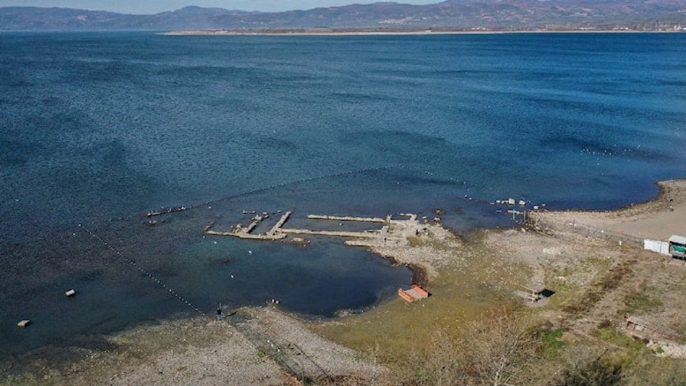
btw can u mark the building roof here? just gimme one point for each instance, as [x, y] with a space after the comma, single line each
[678, 239]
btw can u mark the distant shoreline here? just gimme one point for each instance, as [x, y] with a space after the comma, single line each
[398, 32]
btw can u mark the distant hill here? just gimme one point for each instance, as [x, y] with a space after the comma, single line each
[462, 14]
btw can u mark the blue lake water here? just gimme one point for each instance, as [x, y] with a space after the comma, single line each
[98, 128]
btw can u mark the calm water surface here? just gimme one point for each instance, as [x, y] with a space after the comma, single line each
[97, 129]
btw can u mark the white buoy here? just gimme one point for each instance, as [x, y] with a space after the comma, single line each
[250, 252]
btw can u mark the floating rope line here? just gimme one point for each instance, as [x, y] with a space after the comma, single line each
[145, 272]
[288, 183]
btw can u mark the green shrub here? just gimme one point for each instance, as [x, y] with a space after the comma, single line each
[611, 335]
[551, 341]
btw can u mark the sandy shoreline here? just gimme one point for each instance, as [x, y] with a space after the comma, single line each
[266, 346]
[655, 219]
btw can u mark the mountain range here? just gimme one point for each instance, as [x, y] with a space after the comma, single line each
[457, 14]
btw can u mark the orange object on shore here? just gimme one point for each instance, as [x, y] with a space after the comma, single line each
[414, 293]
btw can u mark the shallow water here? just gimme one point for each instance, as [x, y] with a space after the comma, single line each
[99, 128]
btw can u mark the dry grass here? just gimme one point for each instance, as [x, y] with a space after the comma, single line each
[458, 295]
[592, 295]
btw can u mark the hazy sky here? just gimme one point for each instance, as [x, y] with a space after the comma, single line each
[154, 6]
